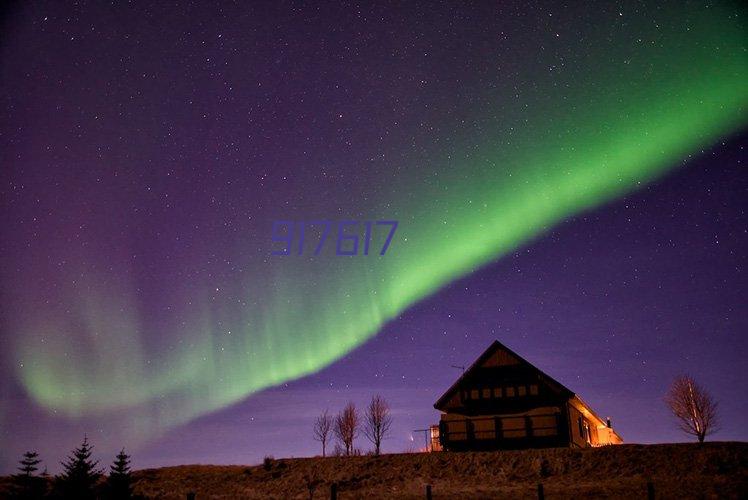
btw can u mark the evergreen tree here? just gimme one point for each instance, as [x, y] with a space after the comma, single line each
[29, 463]
[120, 479]
[79, 475]
[27, 485]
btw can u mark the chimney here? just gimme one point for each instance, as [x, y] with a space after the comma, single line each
[608, 422]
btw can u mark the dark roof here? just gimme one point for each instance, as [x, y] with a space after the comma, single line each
[496, 345]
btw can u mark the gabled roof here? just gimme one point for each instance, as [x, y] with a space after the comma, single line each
[493, 348]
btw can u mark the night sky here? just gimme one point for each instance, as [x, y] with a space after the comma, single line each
[568, 180]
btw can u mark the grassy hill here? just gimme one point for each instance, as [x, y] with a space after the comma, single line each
[711, 470]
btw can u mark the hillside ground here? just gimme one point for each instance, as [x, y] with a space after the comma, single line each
[710, 470]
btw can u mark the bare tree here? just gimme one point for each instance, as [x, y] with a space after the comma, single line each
[377, 422]
[322, 428]
[694, 408]
[346, 427]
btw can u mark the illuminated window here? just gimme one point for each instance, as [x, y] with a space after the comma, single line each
[587, 433]
[522, 390]
[534, 389]
[497, 392]
[510, 392]
[486, 393]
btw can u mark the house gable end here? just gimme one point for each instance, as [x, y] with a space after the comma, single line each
[498, 366]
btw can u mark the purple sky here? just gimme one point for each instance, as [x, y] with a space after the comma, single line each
[227, 119]
[614, 304]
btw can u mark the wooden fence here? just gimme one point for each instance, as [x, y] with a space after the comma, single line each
[429, 492]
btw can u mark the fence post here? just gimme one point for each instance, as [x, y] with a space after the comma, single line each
[650, 490]
[334, 491]
[428, 492]
[541, 493]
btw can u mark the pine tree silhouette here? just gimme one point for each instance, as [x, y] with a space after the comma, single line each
[27, 485]
[80, 474]
[29, 463]
[120, 479]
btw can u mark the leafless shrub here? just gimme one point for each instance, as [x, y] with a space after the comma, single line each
[322, 428]
[377, 422]
[312, 481]
[411, 448]
[347, 426]
[694, 408]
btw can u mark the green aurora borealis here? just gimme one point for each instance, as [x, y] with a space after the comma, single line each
[627, 112]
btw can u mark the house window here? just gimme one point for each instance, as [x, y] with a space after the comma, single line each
[581, 427]
[510, 392]
[486, 393]
[474, 394]
[534, 389]
[497, 392]
[587, 433]
[522, 390]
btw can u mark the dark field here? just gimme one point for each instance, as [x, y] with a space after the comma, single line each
[711, 470]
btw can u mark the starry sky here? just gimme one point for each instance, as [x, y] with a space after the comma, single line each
[570, 181]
